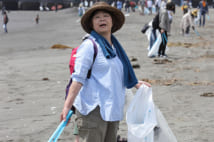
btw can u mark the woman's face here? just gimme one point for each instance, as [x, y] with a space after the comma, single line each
[102, 22]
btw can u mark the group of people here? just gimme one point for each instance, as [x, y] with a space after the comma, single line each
[190, 16]
[99, 100]
[145, 6]
[164, 23]
[160, 25]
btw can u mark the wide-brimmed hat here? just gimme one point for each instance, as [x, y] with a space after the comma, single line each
[117, 16]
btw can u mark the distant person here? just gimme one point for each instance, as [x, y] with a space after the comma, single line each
[81, 10]
[203, 11]
[132, 5]
[149, 5]
[119, 5]
[5, 21]
[157, 5]
[165, 19]
[89, 3]
[190, 4]
[3, 10]
[99, 100]
[185, 7]
[37, 19]
[127, 6]
[187, 22]
[163, 5]
[56, 7]
[142, 5]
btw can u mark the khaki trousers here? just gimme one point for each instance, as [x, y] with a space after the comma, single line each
[92, 128]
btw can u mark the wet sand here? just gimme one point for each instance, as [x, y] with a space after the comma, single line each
[33, 76]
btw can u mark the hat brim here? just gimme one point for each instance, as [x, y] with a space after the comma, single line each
[118, 17]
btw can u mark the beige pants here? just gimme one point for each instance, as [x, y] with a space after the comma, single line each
[92, 128]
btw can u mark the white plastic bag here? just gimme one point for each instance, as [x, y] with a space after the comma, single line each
[162, 132]
[140, 116]
[153, 9]
[146, 10]
[155, 47]
[149, 31]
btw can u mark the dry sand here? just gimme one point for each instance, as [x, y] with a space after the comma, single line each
[33, 76]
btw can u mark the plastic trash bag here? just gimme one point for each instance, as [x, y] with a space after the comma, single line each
[196, 20]
[146, 10]
[162, 132]
[153, 51]
[208, 17]
[153, 9]
[155, 47]
[149, 32]
[140, 116]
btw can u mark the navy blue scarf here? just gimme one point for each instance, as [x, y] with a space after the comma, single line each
[130, 79]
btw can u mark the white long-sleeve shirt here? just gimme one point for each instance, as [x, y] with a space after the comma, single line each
[105, 88]
[187, 20]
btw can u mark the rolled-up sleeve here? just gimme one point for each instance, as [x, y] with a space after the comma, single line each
[83, 62]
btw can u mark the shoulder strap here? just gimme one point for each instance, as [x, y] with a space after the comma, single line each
[95, 54]
[95, 49]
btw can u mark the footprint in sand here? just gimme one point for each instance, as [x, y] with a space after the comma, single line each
[209, 94]
[17, 100]
[161, 61]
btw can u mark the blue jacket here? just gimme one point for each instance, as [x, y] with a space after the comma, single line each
[203, 10]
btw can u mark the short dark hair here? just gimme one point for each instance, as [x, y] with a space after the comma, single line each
[170, 6]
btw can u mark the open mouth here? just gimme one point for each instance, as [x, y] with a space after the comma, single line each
[102, 25]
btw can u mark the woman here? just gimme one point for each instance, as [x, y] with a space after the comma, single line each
[99, 100]
[165, 19]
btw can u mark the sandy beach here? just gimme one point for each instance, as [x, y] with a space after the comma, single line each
[33, 76]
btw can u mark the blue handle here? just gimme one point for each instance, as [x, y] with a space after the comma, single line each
[164, 39]
[60, 128]
[208, 17]
[196, 32]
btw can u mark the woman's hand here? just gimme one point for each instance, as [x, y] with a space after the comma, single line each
[64, 114]
[137, 86]
[162, 31]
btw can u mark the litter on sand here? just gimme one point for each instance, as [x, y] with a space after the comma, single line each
[60, 46]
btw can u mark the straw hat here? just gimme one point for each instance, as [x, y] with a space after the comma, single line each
[117, 16]
[194, 12]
